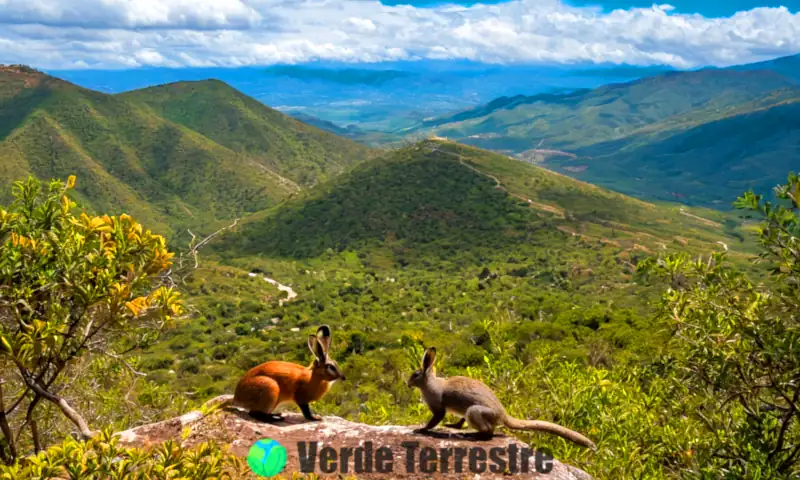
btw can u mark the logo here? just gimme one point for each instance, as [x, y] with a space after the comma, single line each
[366, 459]
[266, 458]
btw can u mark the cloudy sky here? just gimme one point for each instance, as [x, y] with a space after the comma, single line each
[57, 34]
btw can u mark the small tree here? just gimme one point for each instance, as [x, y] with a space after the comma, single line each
[70, 285]
[739, 347]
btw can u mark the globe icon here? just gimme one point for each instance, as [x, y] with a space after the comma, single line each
[266, 458]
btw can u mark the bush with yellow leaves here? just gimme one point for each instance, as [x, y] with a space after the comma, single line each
[70, 285]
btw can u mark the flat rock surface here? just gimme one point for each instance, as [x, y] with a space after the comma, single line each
[237, 429]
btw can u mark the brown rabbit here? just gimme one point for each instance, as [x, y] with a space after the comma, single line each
[270, 384]
[475, 403]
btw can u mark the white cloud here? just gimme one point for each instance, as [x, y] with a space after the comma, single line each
[363, 25]
[200, 14]
[129, 33]
[152, 57]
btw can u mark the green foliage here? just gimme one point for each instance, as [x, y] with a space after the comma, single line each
[72, 285]
[103, 457]
[739, 344]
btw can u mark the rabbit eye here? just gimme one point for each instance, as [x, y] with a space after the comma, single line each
[331, 369]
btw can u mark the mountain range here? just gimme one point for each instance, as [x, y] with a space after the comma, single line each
[697, 137]
[382, 96]
[200, 152]
[179, 154]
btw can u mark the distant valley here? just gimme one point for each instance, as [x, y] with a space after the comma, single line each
[383, 97]
[693, 137]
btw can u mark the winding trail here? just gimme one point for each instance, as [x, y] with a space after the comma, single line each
[291, 294]
[705, 221]
[499, 185]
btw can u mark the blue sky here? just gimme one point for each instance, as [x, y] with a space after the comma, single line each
[68, 34]
[707, 8]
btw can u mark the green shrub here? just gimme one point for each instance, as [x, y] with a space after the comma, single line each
[189, 366]
[224, 351]
[102, 457]
[158, 362]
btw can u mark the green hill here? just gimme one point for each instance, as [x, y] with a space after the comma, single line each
[128, 157]
[298, 151]
[439, 201]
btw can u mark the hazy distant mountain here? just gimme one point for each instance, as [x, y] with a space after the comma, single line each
[385, 96]
[786, 66]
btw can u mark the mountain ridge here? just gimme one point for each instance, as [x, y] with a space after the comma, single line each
[247, 126]
[741, 84]
[128, 157]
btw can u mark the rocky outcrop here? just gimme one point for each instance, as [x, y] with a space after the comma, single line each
[360, 450]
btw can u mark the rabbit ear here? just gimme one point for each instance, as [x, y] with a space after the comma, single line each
[324, 337]
[428, 358]
[316, 348]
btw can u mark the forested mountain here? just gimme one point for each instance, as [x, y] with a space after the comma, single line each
[448, 200]
[302, 153]
[635, 137]
[200, 151]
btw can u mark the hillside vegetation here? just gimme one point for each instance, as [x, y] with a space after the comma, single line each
[302, 153]
[169, 168]
[628, 320]
[452, 199]
[519, 276]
